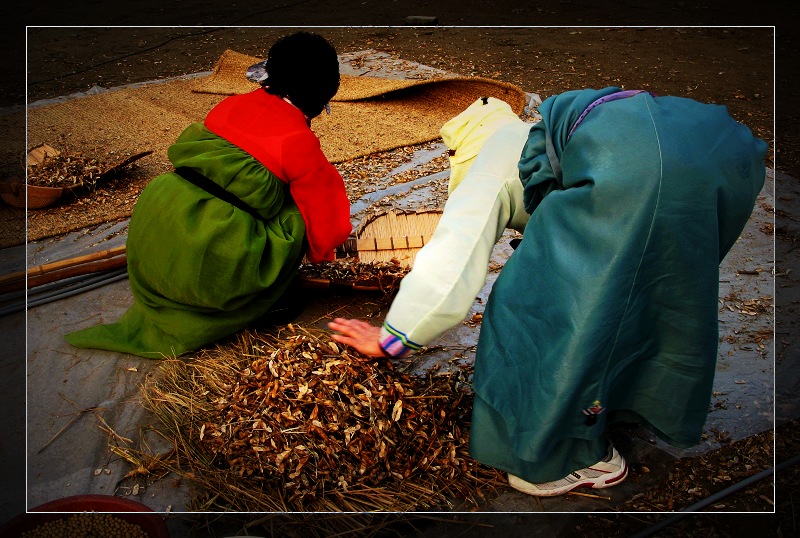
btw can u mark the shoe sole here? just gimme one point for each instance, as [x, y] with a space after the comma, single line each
[593, 484]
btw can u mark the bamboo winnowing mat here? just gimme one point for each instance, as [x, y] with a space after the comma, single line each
[397, 235]
[369, 115]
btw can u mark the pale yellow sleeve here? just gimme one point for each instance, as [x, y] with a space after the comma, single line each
[451, 269]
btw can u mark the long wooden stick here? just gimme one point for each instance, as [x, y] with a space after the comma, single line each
[353, 246]
[61, 264]
[116, 262]
[50, 272]
[587, 494]
[115, 258]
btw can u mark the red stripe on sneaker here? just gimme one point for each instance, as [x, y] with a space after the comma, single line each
[621, 476]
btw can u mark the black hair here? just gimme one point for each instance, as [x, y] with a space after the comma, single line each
[305, 68]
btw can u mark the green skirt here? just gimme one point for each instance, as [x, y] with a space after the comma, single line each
[199, 268]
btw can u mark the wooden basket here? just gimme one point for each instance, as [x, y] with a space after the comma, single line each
[387, 241]
[14, 191]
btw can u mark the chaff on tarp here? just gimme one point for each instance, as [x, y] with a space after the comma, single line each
[291, 421]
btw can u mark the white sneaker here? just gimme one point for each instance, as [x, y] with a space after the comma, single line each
[607, 472]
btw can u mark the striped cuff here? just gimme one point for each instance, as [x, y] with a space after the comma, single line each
[395, 343]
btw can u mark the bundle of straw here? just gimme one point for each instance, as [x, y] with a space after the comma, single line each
[291, 422]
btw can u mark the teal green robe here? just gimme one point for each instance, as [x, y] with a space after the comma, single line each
[199, 268]
[608, 307]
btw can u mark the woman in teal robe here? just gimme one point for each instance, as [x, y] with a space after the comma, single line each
[607, 310]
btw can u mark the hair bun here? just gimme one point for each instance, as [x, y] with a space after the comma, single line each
[305, 68]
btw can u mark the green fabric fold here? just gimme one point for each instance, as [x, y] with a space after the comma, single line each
[199, 268]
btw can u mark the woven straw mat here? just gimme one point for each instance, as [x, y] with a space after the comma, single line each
[368, 115]
[373, 114]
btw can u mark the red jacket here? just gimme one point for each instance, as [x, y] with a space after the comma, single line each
[276, 134]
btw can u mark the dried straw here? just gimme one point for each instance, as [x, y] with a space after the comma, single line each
[378, 276]
[290, 422]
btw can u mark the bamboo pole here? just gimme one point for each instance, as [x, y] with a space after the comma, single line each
[380, 247]
[50, 272]
[83, 269]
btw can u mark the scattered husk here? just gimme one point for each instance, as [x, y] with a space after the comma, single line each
[291, 422]
[65, 170]
[379, 275]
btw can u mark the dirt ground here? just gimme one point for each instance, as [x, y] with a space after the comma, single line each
[733, 66]
[730, 66]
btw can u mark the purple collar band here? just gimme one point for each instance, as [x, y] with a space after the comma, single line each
[606, 98]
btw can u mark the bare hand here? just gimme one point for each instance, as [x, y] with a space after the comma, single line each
[365, 338]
